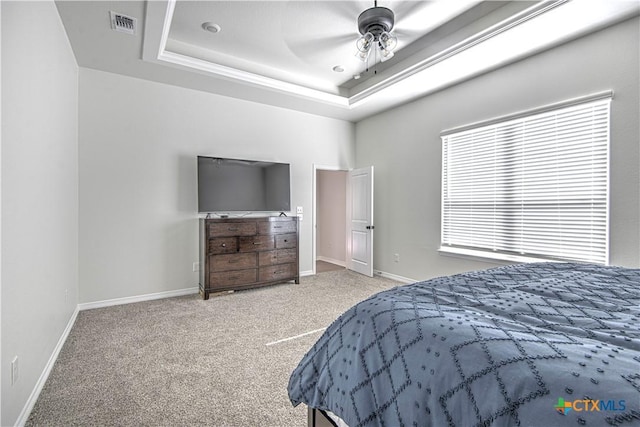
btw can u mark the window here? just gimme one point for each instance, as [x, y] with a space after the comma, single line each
[533, 185]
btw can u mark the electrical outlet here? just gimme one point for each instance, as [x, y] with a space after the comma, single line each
[196, 266]
[299, 210]
[14, 370]
[396, 257]
[299, 217]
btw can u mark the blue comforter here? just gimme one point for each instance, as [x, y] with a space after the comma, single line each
[545, 344]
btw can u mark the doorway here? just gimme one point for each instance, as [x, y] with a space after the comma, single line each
[330, 216]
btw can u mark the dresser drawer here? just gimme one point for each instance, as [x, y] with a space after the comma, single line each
[286, 241]
[277, 272]
[279, 256]
[277, 227]
[232, 278]
[256, 243]
[221, 229]
[223, 245]
[235, 261]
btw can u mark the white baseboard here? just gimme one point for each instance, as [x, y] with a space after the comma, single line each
[37, 389]
[138, 298]
[395, 277]
[341, 263]
[306, 273]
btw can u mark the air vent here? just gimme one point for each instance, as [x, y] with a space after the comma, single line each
[123, 23]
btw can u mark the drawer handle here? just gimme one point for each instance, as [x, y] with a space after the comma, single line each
[278, 272]
[257, 243]
[234, 261]
[224, 245]
[277, 226]
[233, 277]
[232, 229]
[285, 240]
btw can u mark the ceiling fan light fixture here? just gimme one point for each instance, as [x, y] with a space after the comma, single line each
[387, 41]
[375, 25]
[363, 45]
[386, 55]
[363, 55]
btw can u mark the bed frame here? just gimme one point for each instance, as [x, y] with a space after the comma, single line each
[318, 418]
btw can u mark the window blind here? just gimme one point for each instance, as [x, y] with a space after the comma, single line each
[535, 186]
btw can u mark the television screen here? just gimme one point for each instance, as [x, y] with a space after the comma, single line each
[235, 185]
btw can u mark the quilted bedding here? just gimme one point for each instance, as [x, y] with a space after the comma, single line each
[546, 344]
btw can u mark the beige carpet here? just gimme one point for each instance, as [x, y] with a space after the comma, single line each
[185, 361]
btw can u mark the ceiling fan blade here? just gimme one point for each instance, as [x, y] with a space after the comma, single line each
[319, 51]
[407, 8]
[330, 42]
[407, 34]
[317, 31]
[319, 18]
[349, 9]
[420, 17]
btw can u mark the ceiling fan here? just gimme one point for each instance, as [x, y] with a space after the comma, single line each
[375, 24]
[323, 33]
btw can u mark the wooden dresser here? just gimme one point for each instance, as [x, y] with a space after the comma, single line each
[242, 253]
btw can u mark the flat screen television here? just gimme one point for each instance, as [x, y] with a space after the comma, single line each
[237, 185]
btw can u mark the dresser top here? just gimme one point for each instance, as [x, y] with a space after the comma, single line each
[252, 219]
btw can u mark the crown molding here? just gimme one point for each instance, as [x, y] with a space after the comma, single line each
[155, 50]
[522, 35]
[458, 48]
[252, 78]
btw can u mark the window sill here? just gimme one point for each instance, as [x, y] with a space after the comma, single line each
[497, 258]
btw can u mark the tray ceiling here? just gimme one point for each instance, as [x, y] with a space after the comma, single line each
[284, 52]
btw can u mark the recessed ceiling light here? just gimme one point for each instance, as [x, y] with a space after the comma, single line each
[211, 27]
[338, 69]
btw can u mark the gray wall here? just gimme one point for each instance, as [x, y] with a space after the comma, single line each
[404, 145]
[138, 143]
[39, 193]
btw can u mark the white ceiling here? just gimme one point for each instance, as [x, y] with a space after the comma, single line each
[296, 41]
[283, 52]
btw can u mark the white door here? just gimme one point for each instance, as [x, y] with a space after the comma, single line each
[360, 221]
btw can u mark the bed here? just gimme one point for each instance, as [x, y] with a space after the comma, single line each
[542, 344]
